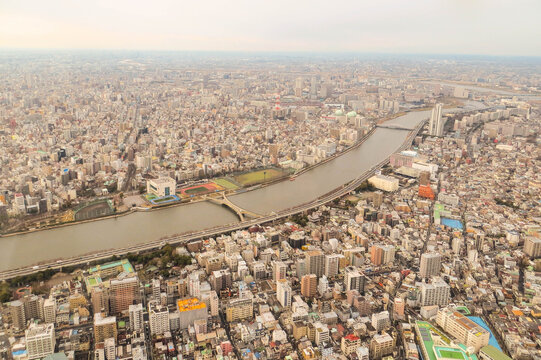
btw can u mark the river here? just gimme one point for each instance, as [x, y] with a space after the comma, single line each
[78, 239]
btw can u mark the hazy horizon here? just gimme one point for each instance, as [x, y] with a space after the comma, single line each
[477, 28]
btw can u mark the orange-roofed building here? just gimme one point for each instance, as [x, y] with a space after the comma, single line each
[191, 309]
[426, 192]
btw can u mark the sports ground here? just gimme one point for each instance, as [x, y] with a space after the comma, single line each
[226, 183]
[200, 189]
[259, 176]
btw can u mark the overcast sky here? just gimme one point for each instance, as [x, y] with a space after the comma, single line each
[494, 27]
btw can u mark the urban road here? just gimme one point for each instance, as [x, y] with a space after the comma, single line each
[197, 235]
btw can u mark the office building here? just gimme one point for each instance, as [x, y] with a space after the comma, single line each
[430, 265]
[309, 285]
[40, 341]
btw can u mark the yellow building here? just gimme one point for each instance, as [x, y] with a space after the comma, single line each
[239, 309]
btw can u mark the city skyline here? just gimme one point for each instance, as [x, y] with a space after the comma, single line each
[421, 27]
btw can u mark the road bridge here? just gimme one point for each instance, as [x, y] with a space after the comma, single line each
[241, 213]
[394, 127]
[182, 239]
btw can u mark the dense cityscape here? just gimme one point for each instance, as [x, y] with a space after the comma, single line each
[432, 253]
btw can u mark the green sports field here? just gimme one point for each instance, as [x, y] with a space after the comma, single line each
[259, 176]
[226, 184]
[451, 354]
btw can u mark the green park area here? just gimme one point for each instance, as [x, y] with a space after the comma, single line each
[259, 176]
[196, 190]
[227, 184]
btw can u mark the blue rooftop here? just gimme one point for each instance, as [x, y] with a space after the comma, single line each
[452, 223]
[492, 341]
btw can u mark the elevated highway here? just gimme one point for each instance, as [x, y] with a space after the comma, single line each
[211, 232]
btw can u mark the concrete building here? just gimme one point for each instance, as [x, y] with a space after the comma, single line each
[382, 254]
[309, 285]
[316, 262]
[136, 317]
[354, 280]
[381, 345]
[283, 292]
[430, 265]
[104, 327]
[40, 341]
[332, 265]
[489, 352]
[109, 349]
[49, 310]
[437, 292]
[381, 321]
[17, 314]
[123, 293]
[321, 334]
[349, 344]
[385, 183]
[278, 270]
[163, 186]
[158, 318]
[532, 247]
[191, 309]
[99, 297]
[221, 279]
[463, 329]
[239, 309]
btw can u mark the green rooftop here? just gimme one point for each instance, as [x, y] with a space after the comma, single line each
[494, 353]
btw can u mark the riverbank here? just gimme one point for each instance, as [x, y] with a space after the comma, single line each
[200, 198]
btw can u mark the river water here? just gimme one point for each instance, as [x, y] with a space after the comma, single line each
[137, 228]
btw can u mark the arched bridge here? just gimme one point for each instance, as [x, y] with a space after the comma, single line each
[241, 213]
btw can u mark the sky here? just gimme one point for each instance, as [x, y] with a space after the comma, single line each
[479, 27]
